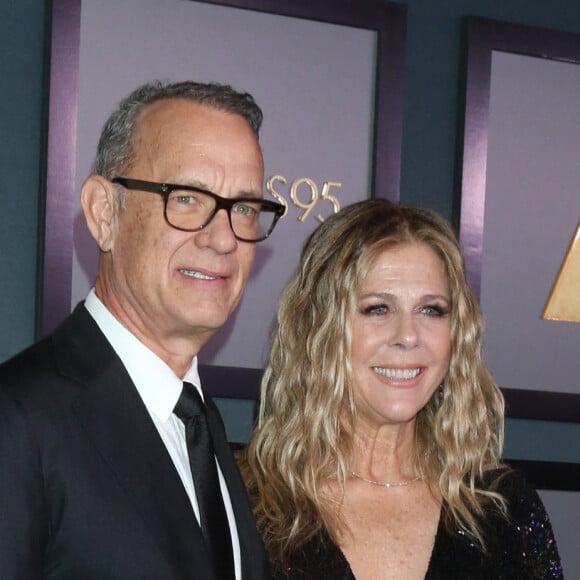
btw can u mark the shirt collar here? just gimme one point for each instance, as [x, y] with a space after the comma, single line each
[157, 384]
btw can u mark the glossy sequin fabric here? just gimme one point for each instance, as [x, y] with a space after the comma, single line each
[520, 547]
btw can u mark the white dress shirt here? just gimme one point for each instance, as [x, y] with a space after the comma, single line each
[160, 388]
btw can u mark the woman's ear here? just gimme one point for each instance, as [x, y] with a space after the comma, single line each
[100, 205]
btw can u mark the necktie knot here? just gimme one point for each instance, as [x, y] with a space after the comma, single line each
[189, 404]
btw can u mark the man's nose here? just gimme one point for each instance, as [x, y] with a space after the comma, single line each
[218, 233]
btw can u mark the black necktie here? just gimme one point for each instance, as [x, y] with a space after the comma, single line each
[213, 518]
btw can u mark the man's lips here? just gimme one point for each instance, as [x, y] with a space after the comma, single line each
[199, 275]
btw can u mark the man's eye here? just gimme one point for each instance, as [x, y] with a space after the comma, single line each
[184, 199]
[188, 198]
[245, 209]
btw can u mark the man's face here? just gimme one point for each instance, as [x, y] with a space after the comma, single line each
[167, 285]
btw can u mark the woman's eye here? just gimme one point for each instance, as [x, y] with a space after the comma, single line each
[435, 310]
[375, 309]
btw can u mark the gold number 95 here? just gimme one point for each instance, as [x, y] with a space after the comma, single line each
[301, 184]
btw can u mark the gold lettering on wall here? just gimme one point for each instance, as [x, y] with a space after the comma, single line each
[564, 301]
[304, 195]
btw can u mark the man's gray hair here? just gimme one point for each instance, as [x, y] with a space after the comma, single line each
[115, 151]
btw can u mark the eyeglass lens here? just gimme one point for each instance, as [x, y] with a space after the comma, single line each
[191, 210]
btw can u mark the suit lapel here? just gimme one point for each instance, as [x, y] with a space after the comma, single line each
[116, 420]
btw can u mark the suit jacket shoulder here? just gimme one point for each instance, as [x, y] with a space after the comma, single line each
[92, 491]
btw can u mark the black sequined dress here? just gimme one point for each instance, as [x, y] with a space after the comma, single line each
[521, 547]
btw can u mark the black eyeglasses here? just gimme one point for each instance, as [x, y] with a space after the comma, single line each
[190, 209]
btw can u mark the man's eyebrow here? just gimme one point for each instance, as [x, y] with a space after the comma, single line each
[251, 194]
[194, 183]
[198, 184]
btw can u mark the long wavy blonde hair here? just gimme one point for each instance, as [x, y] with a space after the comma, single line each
[307, 410]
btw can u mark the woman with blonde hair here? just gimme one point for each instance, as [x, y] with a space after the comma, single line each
[378, 449]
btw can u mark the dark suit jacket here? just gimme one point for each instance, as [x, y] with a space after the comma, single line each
[87, 488]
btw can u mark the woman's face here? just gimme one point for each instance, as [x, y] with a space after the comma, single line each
[401, 335]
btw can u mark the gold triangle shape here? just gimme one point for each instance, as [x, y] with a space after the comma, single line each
[564, 301]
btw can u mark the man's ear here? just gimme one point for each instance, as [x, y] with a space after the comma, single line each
[100, 206]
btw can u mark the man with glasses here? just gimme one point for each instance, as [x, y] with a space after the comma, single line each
[101, 423]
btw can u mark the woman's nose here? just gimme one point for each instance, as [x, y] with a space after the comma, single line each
[404, 331]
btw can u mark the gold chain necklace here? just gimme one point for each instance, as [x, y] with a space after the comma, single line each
[386, 484]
